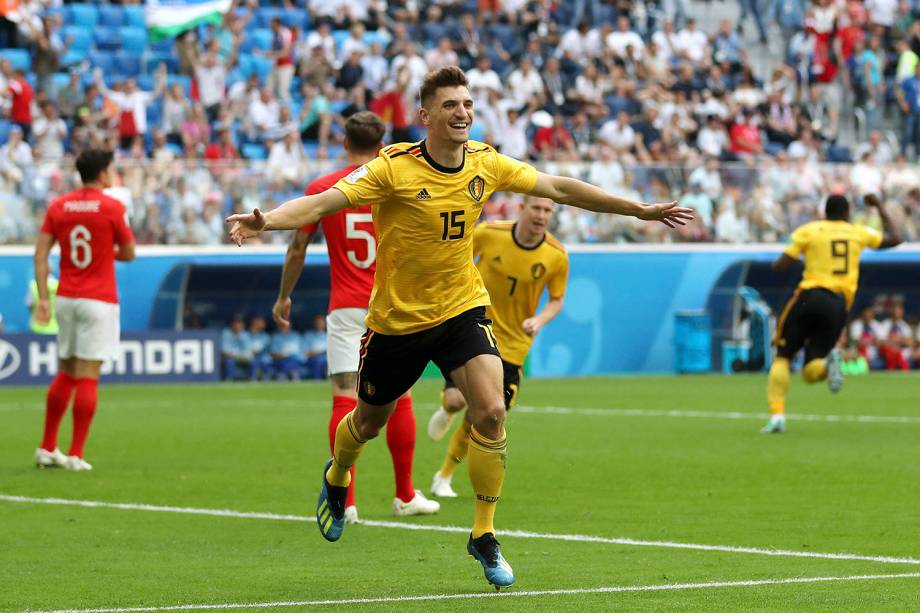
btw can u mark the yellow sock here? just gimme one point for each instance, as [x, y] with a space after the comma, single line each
[814, 371]
[456, 449]
[487, 472]
[778, 385]
[348, 447]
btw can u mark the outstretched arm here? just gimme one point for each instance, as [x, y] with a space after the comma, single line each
[586, 196]
[891, 235]
[291, 215]
[290, 273]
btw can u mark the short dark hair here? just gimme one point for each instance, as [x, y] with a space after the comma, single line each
[447, 76]
[92, 162]
[364, 131]
[837, 207]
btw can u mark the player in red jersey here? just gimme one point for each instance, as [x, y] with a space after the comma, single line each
[93, 232]
[352, 248]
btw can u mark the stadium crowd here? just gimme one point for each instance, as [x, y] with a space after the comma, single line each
[633, 95]
[253, 353]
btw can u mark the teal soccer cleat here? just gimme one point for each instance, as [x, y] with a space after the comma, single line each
[834, 364]
[487, 552]
[330, 509]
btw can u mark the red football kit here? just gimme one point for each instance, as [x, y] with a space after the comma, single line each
[352, 247]
[88, 224]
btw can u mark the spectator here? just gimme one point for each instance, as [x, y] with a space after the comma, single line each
[708, 178]
[790, 16]
[442, 55]
[353, 44]
[573, 46]
[15, 159]
[211, 78]
[264, 115]
[554, 141]
[897, 340]
[693, 44]
[745, 136]
[730, 227]
[282, 53]
[316, 116]
[223, 148]
[287, 161]
[21, 95]
[236, 349]
[712, 138]
[728, 47]
[49, 132]
[666, 41]
[285, 352]
[160, 153]
[196, 133]
[701, 203]
[623, 37]
[909, 99]
[417, 69]
[132, 104]
[351, 73]
[321, 38]
[618, 135]
[315, 67]
[261, 366]
[70, 96]
[374, 68]
[590, 90]
[524, 84]
[314, 349]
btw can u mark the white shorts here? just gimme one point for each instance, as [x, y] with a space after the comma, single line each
[344, 329]
[87, 329]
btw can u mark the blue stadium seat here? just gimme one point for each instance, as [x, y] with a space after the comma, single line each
[107, 38]
[147, 83]
[153, 60]
[265, 15]
[128, 64]
[167, 45]
[261, 66]
[103, 60]
[83, 15]
[154, 111]
[19, 58]
[133, 40]
[185, 81]
[176, 149]
[254, 151]
[81, 39]
[134, 16]
[261, 38]
[375, 37]
[59, 80]
[296, 18]
[111, 15]
[339, 36]
[4, 130]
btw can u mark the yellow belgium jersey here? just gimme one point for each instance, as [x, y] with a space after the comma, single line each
[831, 250]
[515, 277]
[424, 215]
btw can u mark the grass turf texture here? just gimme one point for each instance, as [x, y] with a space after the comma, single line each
[825, 487]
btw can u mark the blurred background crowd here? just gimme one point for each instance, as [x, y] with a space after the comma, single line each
[751, 112]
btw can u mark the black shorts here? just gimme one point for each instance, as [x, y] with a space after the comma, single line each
[813, 319]
[390, 365]
[512, 382]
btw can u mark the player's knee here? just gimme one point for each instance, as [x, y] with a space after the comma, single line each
[489, 419]
[369, 422]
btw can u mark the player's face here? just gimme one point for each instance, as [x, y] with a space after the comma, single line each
[449, 115]
[536, 214]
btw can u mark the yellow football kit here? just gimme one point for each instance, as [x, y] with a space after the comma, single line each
[831, 250]
[516, 277]
[424, 215]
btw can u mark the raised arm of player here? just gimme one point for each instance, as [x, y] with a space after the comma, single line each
[891, 235]
[292, 214]
[533, 324]
[290, 273]
[565, 190]
[42, 250]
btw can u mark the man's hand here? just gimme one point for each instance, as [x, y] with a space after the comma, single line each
[873, 201]
[669, 214]
[43, 311]
[246, 226]
[281, 313]
[532, 325]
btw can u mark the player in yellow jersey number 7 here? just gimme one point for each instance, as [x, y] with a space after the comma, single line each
[429, 301]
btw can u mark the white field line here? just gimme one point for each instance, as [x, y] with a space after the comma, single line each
[487, 595]
[536, 410]
[578, 538]
[862, 419]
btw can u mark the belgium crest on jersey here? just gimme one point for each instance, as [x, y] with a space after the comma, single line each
[538, 270]
[476, 187]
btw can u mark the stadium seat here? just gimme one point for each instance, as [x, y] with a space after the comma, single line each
[111, 15]
[128, 64]
[147, 83]
[339, 36]
[296, 18]
[107, 38]
[81, 39]
[261, 39]
[255, 64]
[59, 80]
[104, 60]
[133, 40]
[376, 37]
[83, 15]
[19, 58]
[134, 16]
[253, 151]
[73, 57]
[152, 61]
[176, 149]
[4, 130]
[265, 15]
[155, 110]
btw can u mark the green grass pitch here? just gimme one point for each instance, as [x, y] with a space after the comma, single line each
[625, 469]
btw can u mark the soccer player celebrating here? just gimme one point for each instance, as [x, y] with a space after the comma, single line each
[517, 262]
[817, 312]
[352, 262]
[428, 302]
[93, 232]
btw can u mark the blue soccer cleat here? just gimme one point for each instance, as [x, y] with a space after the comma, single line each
[486, 550]
[834, 365]
[330, 509]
